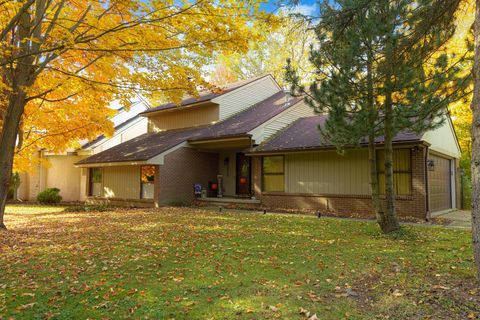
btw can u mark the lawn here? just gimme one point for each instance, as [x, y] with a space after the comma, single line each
[194, 264]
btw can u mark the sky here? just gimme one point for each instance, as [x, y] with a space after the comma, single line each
[306, 7]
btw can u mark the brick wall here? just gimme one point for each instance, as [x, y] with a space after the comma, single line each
[347, 205]
[181, 170]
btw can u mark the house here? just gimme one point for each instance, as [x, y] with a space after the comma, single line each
[59, 169]
[253, 144]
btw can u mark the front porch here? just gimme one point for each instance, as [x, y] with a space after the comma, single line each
[215, 169]
[233, 180]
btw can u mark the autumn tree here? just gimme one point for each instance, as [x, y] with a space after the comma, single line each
[63, 61]
[461, 45]
[381, 71]
[290, 40]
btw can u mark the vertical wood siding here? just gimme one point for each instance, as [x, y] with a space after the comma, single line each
[246, 96]
[184, 118]
[121, 182]
[327, 173]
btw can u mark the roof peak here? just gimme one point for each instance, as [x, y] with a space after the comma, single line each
[207, 95]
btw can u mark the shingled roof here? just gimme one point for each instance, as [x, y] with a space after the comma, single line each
[204, 96]
[150, 145]
[303, 134]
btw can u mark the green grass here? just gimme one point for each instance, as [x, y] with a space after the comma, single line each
[179, 263]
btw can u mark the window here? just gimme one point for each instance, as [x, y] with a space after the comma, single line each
[95, 188]
[273, 173]
[402, 171]
[147, 182]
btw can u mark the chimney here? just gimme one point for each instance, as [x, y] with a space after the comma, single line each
[286, 91]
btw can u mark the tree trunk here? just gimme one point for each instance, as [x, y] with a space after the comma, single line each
[376, 201]
[8, 139]
[475, 165]
[23, 76]
[391, 222]
[372, 152]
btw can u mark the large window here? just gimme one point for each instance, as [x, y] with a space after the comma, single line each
[95, 188]
[273, 171]
[402, 171]
[147, 182]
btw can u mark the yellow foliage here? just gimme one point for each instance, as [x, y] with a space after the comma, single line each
[93, 52]
[288, 38]
[458, 46]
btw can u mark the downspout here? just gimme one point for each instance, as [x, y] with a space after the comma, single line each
[40, 178]
[427, 193]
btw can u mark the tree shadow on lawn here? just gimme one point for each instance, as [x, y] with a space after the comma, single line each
[187, 264]
[393, 295]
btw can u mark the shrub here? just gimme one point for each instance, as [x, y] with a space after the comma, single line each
[50, 195]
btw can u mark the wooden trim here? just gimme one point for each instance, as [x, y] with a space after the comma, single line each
[111, 164]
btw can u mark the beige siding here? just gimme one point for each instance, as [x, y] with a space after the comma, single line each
[443, 140]
[60, 173]
[63, 174]
[121, 182]
[184, 118]
[246, 96]
[327, 173]
[124, 134]
[228, 172]
[23, 190]
[83, 184]
[281, 121]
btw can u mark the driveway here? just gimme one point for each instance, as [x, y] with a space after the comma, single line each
[458, 218]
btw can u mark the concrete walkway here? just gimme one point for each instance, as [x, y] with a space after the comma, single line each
[461, 219]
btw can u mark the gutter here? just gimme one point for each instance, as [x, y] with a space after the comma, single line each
[325, 148]
[220, 139]
[109, 164]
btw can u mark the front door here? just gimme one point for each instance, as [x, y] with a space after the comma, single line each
[243, 174]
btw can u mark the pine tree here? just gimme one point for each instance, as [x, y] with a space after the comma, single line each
[380, 70]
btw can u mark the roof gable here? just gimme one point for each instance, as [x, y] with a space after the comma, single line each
[208, 96]
[444, 139]
[150, 145]
[122, 121]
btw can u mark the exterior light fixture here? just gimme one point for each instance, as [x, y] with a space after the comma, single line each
[431, 165]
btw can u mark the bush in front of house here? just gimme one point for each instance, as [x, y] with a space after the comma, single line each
[50, 195]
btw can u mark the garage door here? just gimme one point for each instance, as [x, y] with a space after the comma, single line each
[439, 184]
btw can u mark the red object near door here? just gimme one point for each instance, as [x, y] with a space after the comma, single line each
[243, 174]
